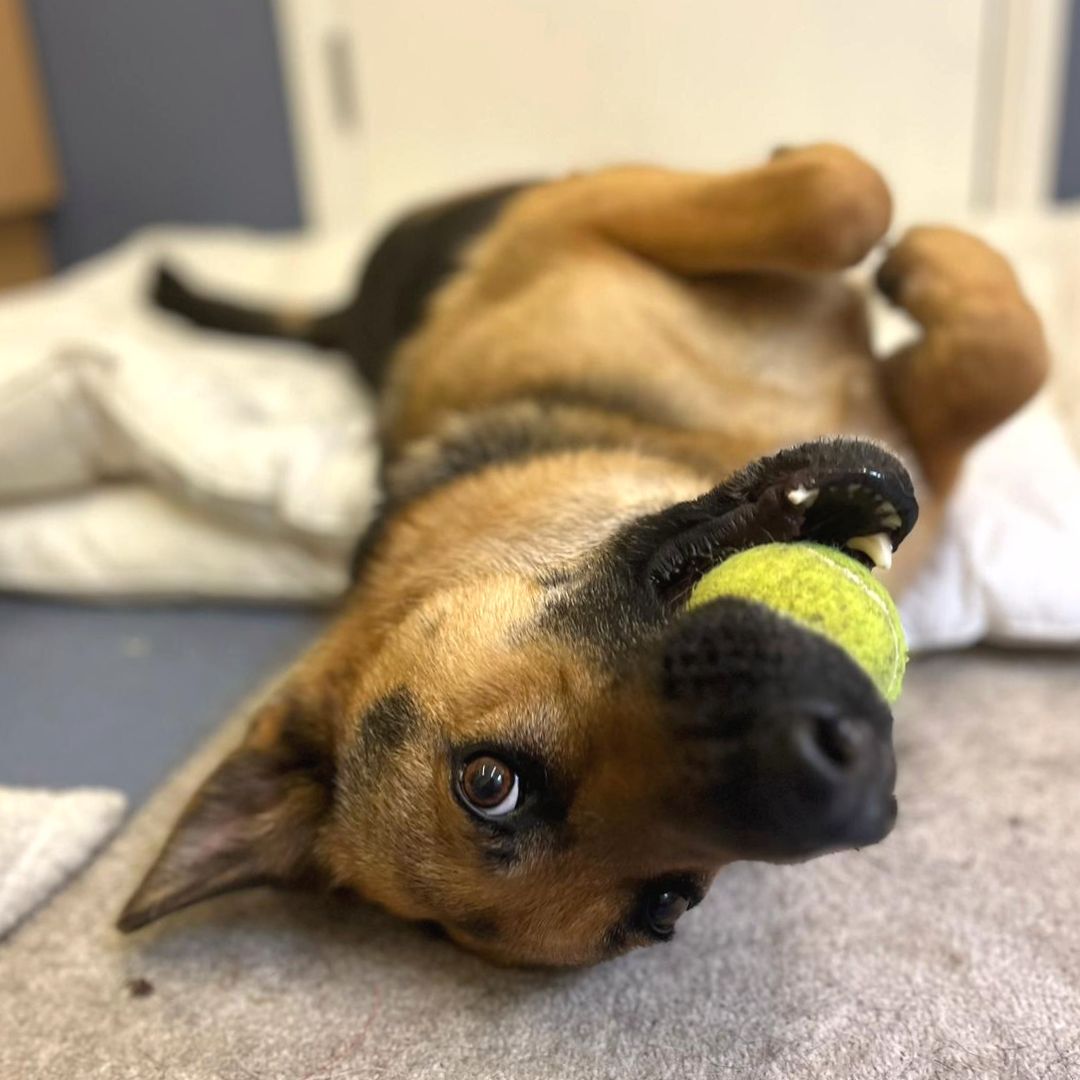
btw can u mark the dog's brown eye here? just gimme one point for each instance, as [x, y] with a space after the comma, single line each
[489, 786]
[664, 910]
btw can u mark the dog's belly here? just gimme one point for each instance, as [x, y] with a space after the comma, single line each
[764, 359]
[785, 358]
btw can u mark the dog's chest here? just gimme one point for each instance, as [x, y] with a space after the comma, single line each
[742, 354]
[758, 354]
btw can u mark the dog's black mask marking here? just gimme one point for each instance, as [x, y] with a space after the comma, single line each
[860, 489]
[791, 750]
[642, 578]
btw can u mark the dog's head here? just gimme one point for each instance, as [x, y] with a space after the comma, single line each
[553, 765]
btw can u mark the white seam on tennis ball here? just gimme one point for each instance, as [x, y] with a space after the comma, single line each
[854, 578]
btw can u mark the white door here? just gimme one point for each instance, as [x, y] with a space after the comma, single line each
[396, 100]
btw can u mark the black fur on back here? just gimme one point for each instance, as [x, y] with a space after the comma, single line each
[413, 258]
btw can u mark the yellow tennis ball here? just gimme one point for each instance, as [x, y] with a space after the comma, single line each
[822, 590]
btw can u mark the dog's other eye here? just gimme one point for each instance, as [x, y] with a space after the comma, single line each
[490, 786]
[663, 909]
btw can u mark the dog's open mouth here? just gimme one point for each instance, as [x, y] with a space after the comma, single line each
[864, 511]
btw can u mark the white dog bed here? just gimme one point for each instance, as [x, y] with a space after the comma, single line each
[141, 457]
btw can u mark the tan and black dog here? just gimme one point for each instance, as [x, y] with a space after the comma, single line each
[513, 729]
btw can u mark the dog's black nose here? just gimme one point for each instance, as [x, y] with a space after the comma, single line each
[832, 745]
[785, 742]
[812, 775]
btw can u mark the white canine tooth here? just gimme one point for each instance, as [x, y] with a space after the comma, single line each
[801, 496]
[878, 547]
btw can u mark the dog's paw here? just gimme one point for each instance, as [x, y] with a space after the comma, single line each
[935, 272]
[983, 354]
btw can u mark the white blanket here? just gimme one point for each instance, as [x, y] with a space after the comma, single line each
[141, 457]
[45, 837]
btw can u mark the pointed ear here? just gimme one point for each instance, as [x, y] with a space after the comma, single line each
[253, 822]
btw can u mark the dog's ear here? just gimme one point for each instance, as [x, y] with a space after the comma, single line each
[253, 822]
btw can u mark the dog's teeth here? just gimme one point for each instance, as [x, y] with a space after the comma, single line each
[877, 546]
[802, 496]
[888, 516]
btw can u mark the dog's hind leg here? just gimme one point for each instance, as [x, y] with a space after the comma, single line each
[982, 354]
[820, 208]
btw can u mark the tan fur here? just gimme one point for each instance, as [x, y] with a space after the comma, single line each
[711, 302]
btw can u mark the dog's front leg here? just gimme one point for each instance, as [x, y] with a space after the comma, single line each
[813, 209]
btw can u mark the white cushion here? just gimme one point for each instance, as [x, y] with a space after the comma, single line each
[141, 457]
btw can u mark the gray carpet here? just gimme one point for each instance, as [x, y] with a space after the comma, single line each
[952, 950]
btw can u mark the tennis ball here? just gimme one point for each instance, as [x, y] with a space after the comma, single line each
[822, 590]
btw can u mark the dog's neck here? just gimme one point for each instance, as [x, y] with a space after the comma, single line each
[608, 437]
[526, 487]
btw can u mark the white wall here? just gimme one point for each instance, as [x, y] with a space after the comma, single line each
[457, 92]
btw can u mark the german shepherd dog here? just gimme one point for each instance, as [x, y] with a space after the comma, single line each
[592, 391]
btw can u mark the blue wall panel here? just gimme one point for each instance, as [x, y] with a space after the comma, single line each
[165, 110]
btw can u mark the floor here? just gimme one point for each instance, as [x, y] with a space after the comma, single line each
[951, 950]
[118, 696]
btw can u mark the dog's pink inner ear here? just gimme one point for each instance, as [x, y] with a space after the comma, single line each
[253, 822]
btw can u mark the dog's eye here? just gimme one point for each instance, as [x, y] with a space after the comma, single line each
[490, 786]
[663, 909]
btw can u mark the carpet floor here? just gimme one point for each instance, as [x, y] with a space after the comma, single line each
[953, 949]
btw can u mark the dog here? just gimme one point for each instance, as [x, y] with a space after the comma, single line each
[591, 391]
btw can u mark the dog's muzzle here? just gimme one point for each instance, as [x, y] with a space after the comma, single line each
[782, 745]
[785, 744]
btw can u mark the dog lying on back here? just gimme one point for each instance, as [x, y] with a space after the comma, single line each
[591, 392]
